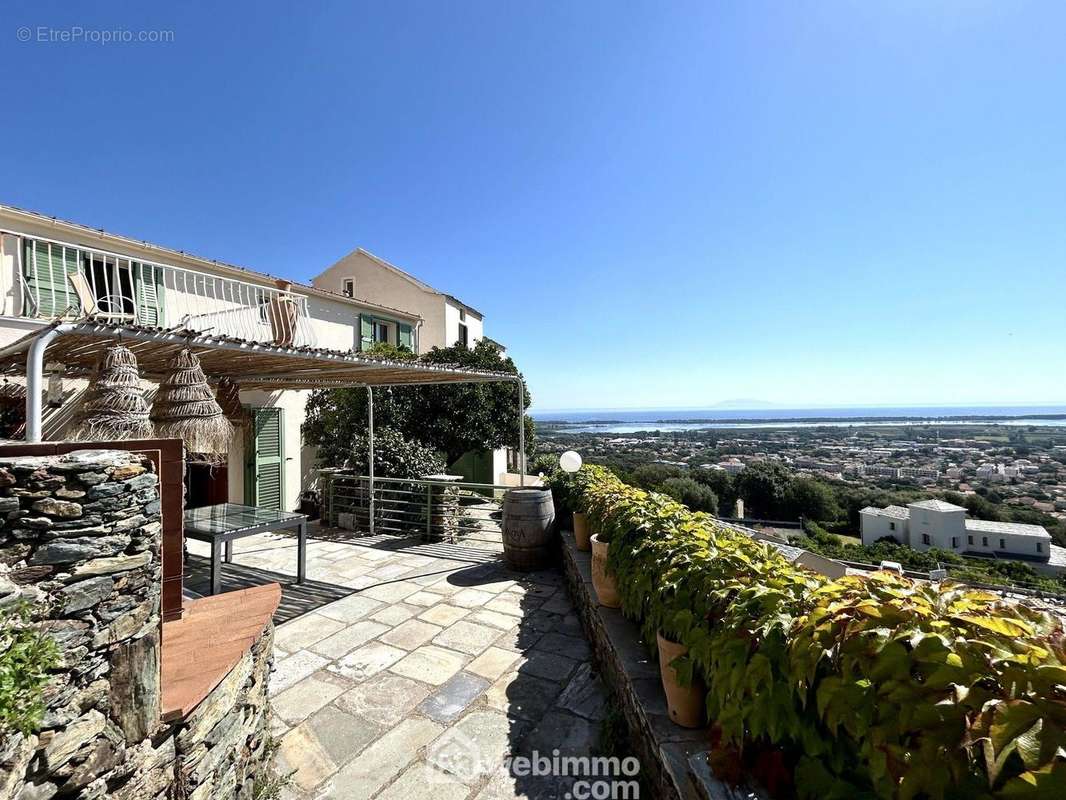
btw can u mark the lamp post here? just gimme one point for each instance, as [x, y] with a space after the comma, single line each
[570, 461]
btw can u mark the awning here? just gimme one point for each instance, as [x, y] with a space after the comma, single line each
[79, 346]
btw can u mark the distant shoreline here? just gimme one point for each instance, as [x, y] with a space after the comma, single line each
[970, 418]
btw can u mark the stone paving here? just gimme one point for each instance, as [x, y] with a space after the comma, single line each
[434, 666]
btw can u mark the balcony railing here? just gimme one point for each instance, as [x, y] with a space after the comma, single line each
[62, 280]
[434, 510]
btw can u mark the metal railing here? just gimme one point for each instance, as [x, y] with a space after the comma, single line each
[434, 510]
[125, 290]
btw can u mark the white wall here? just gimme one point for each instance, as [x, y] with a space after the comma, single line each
[1013, 543]
[474, 325]
[940, 526]
[876, 526]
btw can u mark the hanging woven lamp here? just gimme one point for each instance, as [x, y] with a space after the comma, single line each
[185, 408]
[229, 399]
[114, 407]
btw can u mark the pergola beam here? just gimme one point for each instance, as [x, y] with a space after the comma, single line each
[247, 362]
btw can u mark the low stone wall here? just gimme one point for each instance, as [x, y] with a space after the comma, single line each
[672, 758]
[80, 545]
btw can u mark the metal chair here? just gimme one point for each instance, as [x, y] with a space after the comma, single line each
[90, 303]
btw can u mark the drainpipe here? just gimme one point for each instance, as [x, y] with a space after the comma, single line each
[35, 380]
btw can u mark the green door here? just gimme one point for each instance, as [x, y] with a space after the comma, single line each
[265, 461]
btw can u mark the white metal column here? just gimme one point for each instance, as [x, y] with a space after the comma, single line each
[521, 434]
[370, 439]
[35, 382]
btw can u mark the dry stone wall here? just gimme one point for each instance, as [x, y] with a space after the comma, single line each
[80, 545]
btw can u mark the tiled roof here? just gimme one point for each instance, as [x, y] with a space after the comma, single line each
[896, 512]
[1015, 528]
[936, 505]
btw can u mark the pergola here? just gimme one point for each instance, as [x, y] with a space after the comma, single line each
[79, 346]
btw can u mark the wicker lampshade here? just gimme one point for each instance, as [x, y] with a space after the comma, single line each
[229, 399]
[185, 408]
[114, 406]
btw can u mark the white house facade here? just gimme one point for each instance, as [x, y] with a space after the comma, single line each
[446, 321]
[937, 524]
[52, 269]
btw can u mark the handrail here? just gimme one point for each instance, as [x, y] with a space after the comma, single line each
[148, 292]
[425, 507]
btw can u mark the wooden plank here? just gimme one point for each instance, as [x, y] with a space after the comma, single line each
[202, 647]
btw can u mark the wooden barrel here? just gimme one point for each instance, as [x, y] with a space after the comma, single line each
[528, 526]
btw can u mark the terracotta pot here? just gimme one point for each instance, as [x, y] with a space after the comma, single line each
[685, 702]
[581, 531]
[604, 583]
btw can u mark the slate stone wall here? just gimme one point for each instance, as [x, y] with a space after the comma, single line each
[80, 544]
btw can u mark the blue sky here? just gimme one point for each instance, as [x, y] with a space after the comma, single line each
[655, 204]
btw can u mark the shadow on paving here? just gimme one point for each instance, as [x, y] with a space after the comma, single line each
[554, 701]
[469, 550]
[296, 599]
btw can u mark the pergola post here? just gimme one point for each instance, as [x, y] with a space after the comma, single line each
[35, 383]
[370, 439]
[521, 434]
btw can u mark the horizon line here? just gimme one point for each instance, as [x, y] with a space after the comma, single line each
[811, 407]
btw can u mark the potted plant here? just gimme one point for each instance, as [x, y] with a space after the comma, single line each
[581, 531]
[283, 314]
[603, 581]
[684, 690]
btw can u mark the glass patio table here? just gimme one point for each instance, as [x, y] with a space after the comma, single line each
[221, 524]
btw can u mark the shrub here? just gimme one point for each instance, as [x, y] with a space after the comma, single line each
[692, 494]
[394, 456]
[874, 685]
[26, 657]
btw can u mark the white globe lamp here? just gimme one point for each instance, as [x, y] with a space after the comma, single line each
[570, 461]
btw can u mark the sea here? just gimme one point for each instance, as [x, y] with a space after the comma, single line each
[688, 419]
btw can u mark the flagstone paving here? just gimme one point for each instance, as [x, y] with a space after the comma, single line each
[423, 667]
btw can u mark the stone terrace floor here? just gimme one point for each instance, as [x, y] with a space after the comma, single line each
[406, 666]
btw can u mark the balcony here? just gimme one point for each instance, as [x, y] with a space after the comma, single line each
[61, 280]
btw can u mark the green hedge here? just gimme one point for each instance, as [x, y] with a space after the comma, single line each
[873, 686]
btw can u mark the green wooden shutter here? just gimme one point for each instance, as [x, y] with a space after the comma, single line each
[149, 282]
[48, 292]
[264, 482]
[366, 332]
[406, 337]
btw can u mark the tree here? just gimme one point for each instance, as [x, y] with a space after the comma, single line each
[652, 476]
[762, 485]
[811, 499]
[696, 496]
[719, 482]
[450, 418]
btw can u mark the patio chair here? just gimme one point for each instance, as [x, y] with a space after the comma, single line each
[90, 303]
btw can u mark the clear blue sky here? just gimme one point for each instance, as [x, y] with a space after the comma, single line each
[655, 204]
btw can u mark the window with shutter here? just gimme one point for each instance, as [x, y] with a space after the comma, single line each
[406, 337]
[149, 282]
[366, 332]
[46, 266]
